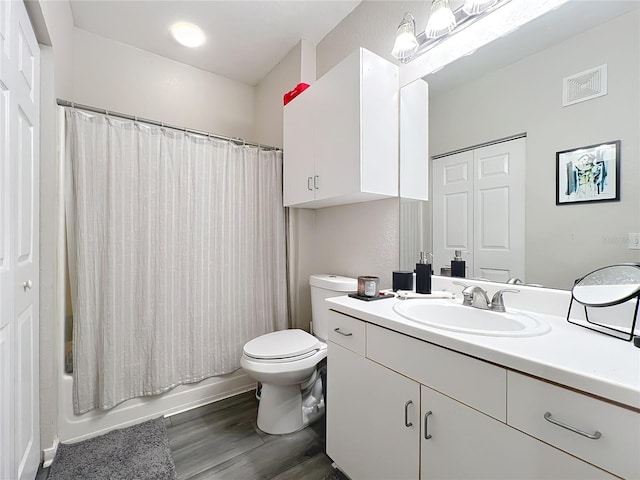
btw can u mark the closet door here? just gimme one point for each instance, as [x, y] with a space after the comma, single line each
[19, 90]
[6, 259]
[453, 210]
[499, 210]
[479, 208]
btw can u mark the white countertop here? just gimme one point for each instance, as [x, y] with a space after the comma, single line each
[569, 355]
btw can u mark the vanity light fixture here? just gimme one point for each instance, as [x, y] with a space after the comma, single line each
[187, 34]
[406, 42]
[442, 22]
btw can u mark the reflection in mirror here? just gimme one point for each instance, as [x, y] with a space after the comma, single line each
[608, 286]
[515, 85]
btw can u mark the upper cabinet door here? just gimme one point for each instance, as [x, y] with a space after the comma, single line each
[298, 169]
[350, 117]
[337, 133]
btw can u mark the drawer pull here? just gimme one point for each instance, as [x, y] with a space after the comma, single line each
[337, 330]
[407, 423]
[427, 436]
[592, 436]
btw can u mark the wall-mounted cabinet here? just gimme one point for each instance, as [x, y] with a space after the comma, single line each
[341, 135]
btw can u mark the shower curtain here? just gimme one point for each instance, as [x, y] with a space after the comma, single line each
[177, 255]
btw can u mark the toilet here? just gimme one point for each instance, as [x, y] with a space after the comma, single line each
[285, 362]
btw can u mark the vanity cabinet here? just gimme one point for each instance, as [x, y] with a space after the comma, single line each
[399, 407]
[341, 135]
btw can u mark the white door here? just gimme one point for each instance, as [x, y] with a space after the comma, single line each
[499, 211]
[479, 208]
[19, 399]
[453, 210]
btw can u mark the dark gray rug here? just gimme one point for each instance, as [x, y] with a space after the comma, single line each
[140, 452]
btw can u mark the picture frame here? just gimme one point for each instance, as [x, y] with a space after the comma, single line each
[588, 174]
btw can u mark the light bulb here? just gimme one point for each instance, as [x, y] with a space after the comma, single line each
[406, 42]
[441, 20]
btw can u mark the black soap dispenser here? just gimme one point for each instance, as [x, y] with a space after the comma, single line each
[458, 265]
[423, 274]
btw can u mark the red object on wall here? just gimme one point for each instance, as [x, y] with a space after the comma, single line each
[301, 87]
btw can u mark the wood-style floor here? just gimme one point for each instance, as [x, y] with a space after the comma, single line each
[222, 441]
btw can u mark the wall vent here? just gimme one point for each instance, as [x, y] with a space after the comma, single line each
[585, 85]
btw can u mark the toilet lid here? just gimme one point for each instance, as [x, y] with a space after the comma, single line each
[282, 344]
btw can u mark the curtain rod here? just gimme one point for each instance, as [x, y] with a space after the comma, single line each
[102, 111]
[480, 145]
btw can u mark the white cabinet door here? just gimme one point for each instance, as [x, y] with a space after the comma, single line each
[460, 442]
[19, 315]
[298, 165]
[373, 425]
[337, 130]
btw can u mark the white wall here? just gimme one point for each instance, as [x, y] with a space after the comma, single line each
[115, 76]
[56, 81]
[562, 242]
[268, 98]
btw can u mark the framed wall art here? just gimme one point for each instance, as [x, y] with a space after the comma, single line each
[588, 174]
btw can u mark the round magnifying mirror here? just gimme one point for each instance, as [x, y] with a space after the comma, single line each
[608, 286]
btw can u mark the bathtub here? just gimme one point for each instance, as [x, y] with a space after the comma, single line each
[74, 428]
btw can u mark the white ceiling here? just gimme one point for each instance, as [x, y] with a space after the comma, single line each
[245, 38]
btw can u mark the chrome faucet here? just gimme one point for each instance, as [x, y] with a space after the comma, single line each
[476, 297]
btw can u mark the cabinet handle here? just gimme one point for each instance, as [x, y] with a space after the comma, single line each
[315, 182]
[407, 423]
[426, 425]
[309, 183]
[337, 330]
[592, 436]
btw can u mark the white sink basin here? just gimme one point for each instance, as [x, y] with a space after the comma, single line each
[463, 319]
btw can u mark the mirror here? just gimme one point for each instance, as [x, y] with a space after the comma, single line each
[515, 86]
[608, 286]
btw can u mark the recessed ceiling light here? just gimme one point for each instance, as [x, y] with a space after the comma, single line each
[187, 34]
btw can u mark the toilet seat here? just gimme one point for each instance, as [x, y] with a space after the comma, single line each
[283, 346]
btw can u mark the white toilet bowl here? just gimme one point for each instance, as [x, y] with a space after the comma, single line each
[285, 363]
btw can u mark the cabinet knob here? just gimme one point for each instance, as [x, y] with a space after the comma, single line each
[27, 285]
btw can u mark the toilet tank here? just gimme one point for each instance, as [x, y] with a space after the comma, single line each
[327, 286]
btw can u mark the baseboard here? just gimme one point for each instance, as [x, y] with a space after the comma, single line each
[48, 454]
